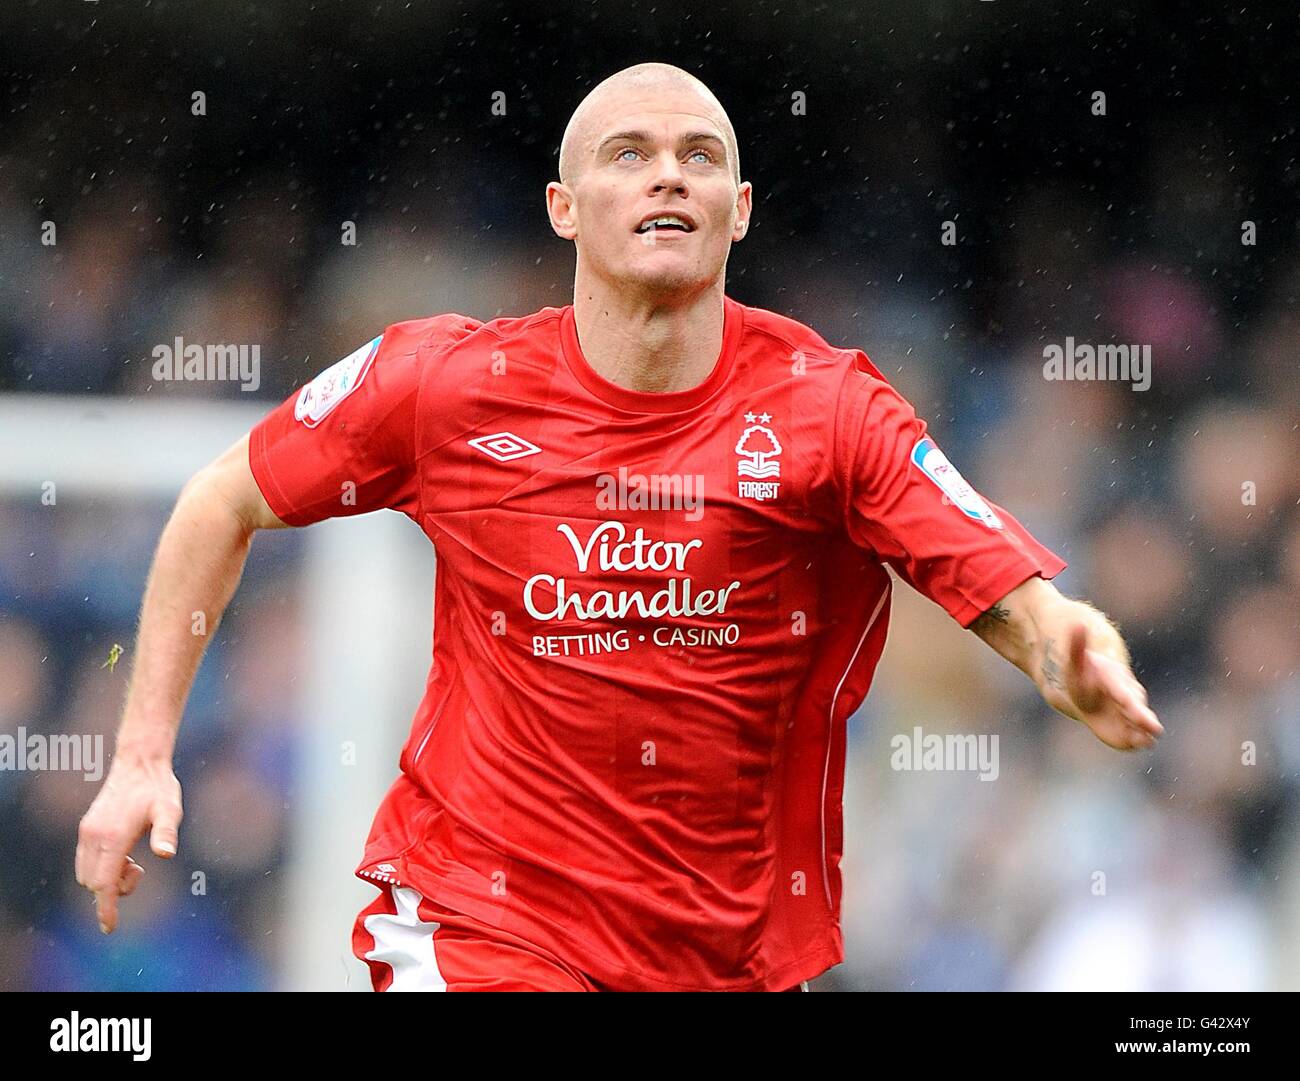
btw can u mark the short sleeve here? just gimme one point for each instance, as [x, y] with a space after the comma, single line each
[346, 443]
[903, 499]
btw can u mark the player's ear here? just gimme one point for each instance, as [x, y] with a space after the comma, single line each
[744, 208]
[559, 206]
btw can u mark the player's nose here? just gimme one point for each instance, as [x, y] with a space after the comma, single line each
[667, 174]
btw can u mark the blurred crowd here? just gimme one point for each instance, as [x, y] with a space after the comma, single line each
[1177, 508]
[72, 577]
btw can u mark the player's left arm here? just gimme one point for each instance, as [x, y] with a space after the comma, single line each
[1076, 658]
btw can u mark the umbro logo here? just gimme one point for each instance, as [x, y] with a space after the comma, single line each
[504, 446]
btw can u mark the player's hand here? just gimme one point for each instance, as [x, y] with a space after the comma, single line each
[137, 793]
[1107, 697]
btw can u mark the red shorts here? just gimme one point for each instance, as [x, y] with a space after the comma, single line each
[410, 944]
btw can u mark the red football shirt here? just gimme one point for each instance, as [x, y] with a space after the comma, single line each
[653, 615]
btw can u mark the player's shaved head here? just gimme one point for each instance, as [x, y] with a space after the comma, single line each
[602, 107]
[648, 143]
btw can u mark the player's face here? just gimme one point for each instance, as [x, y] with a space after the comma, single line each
[656, 204]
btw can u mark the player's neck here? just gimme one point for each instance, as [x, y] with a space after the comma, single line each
[646, 344]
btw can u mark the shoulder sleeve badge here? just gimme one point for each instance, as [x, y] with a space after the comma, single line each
[931, 461]
[322, 395]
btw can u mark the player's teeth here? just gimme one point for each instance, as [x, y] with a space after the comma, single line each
[656, 222]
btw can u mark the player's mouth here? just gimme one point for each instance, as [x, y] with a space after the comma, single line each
[679, 223]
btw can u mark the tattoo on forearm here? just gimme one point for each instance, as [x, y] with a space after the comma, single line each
[1051, 669]
[985, 621]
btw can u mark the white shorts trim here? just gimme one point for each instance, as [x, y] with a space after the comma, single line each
[404, 942]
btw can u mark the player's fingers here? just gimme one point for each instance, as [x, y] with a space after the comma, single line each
[83, 854]
[130, 878]
[1137, 712]
[90, 843]
[1143, 741]
[123, 885]
[1114, 726]
[166, 827]
[1146, 714]
[1140, 735]
[1129, 696]
[1148, 720]
[106, 908]
[1081, 675]
[1075, 645]
[106, 863]
[1127, 738]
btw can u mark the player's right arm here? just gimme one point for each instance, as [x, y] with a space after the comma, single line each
[344, 444]
[196, 569]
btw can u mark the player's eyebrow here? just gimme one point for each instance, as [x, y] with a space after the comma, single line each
[646, 137]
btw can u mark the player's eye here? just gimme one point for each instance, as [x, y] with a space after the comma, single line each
[625, 150]
[701, 150]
